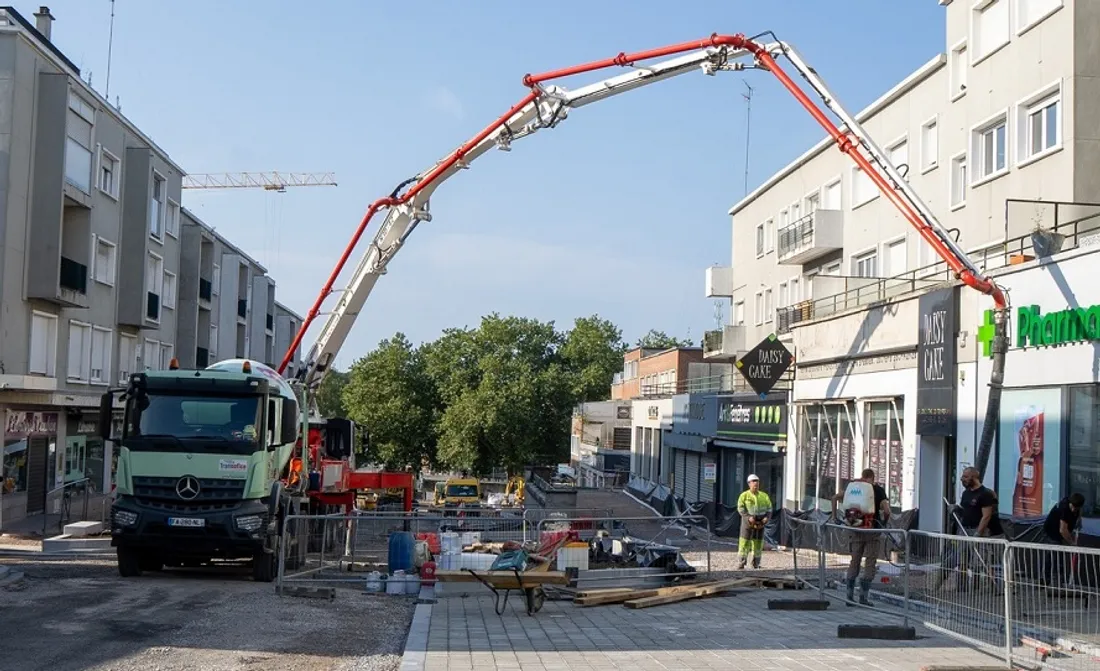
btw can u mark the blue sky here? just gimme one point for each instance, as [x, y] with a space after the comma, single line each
[617, 211]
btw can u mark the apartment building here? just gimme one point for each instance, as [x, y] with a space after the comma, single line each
[287, 325]
[997, 135]
[102, 273]
[662, 372]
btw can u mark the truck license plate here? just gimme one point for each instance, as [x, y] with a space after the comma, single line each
[186, 522]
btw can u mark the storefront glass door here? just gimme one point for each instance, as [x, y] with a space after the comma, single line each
[827, 448]
[885, 452]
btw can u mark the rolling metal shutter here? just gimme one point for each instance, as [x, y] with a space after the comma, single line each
[678, 471]
[692, 472]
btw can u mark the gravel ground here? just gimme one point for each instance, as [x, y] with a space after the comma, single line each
[78, 614]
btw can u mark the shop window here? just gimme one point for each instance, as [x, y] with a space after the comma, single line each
[827, 449]
[15, 466]
[1084, 458]
[885, 451]
[1030, 448]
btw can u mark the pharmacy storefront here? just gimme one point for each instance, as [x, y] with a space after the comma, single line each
[1048, 439]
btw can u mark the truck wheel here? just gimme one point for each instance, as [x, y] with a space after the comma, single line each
[129, 563]
[264, 567]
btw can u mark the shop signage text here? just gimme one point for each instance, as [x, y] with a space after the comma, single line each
[753, 420]
[1035, 329]
[710, 472]
[764, 364]
[936, 363]
[22, 423]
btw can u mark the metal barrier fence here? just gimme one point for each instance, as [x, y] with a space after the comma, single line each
[1028, 604]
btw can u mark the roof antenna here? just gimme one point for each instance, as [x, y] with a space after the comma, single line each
[748, 128]
[110, 46]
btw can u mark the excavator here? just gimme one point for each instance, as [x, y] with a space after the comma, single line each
[547, 104]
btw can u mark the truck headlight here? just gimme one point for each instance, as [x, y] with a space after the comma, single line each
[125, 518]
[250, 522]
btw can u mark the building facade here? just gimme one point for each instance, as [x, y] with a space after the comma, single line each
[99, 276]
[996, 141]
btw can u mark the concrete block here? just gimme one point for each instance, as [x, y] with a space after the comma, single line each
[881, 633]
[83, 528]
[798, 604]
[69, 544]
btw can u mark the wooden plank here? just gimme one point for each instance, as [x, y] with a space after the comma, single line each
[629, 595]
[506, 579]
[701, 590]
[604, 590]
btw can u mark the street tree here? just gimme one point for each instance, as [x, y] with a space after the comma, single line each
[660, 340]
[593, 352]
[330, 395]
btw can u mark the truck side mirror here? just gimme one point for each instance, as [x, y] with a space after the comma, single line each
[106, 410]
[290, 422]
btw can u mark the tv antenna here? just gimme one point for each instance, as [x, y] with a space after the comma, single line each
[748, 128]
[110, 46]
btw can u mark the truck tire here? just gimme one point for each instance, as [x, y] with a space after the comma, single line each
[129, 562]
[264, 566]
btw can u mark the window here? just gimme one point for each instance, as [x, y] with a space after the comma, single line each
[885, 451]
[101, 355]
[863, 189]
[831, 198]
[216, 280]
[832, 269]
[172, 222]
[813, 202]
[103, 264]
[737, 318]
[896, 258]
[127, 356]
[758, 313]
[168, 298]
[1031, 12]
[929, 145]
[958, 181]
[213, 348]
[926, 256]
[1039, 124]
[43, 345]
[769, 305]
[156, 206]
[796, 212]
[165, 355]
[990, 28]
[80, 351]
[784, 295]
[898, 153]
[109, 173]
[795, 295]
[989, 150]
[78, 143]
[769, 235]
[759, 243]
[150, 357]
[959, 68]
[866, 264]
[1082, 456]
[154, 286]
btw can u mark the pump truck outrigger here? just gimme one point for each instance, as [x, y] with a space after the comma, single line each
[547, 105]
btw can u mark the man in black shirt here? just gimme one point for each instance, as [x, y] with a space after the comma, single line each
[1063, 518]
[977, 517]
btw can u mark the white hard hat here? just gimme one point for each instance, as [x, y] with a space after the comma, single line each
[754, 478]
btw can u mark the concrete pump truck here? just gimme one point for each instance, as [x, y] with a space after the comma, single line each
[205, 454]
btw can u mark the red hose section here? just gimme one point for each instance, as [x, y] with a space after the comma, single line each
[844, 143]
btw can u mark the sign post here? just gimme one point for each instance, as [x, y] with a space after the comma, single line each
[936, 359]
[764, 364]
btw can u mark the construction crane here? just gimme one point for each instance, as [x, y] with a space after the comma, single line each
[545, 105]
[268, 181]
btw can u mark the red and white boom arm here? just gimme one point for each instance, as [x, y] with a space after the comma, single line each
[545, 106]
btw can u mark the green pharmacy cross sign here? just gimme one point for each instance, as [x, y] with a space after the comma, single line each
[1035, 329]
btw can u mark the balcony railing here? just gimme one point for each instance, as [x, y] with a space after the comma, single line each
[810, 237]
[864, 291]
[242, 307]
[727, 383]
[271, 322]
[797, 235]
[205, 289]
[73, 275]
[152, 306]
[202, 357]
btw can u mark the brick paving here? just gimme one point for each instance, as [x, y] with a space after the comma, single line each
[727, 633]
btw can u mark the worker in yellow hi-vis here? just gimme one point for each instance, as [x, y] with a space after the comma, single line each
[755, 508]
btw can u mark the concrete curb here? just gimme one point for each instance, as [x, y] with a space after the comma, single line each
[415, 655]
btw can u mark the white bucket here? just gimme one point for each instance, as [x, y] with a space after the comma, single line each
[374, 581]
[396, 583]
[449, 543]
[412, 584]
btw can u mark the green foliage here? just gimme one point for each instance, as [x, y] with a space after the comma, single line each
[660, 340]
[330, 395]
[499, 395]
[390, 395]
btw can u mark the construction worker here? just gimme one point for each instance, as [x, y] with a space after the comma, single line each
[755, 508]
[863, 505]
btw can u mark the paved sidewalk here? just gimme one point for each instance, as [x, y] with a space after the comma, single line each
[731, 632]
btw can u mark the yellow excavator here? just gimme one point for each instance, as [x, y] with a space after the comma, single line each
[513, 491]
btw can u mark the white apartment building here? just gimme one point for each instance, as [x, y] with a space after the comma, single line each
[997, 134]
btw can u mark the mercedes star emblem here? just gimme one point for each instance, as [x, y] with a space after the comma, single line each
[188, 487]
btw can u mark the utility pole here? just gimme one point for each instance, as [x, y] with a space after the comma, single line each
[748, 130]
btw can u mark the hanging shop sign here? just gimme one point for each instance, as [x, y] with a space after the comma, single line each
[765, 364]
[751, 419]
[1034, 328]
[936, 354]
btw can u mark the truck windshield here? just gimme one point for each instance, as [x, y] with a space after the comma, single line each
[462, 490]
[175, 423]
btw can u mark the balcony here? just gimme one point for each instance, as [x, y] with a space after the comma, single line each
[152, 306]
[205, 290]
[270, 322]
[720, 282]
[242, 307]
[73, 276]
[726, 344]
[819, 233]
[202, 357]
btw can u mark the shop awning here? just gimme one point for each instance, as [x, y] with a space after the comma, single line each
[742, 445]
[683, 441]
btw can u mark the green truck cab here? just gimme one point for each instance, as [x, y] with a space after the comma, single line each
[201, 459]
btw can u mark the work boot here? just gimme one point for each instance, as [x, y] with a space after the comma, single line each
[756, 562]
[741, 564]
[851, 599]
[864, 588]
